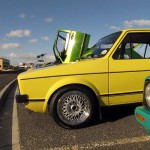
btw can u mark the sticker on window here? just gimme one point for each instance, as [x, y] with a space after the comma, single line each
[104, 52]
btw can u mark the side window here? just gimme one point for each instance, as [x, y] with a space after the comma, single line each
[62, 44]
[134, 46]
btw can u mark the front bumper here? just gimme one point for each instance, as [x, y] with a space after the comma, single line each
[35, 105]
[142, 116]
[21, 98]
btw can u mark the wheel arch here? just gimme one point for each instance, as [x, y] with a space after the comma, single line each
[70, 82]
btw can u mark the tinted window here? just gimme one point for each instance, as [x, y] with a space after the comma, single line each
[103, 45]
[134, 46]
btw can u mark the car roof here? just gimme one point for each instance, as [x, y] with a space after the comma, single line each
[136, 29]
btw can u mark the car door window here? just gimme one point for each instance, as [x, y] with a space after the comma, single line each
[134, 46]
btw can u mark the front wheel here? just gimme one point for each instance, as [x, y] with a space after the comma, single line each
[72, 107]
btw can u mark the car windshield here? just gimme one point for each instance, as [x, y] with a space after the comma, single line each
[102, 47]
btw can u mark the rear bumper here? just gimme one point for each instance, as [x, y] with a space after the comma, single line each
[143, 113]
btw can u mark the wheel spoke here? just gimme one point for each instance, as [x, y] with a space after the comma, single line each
[74, 107]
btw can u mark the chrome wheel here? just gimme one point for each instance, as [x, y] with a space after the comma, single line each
[74, 107]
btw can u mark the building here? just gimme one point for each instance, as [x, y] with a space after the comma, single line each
[4, 63]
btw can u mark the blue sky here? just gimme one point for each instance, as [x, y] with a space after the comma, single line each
[28, 27]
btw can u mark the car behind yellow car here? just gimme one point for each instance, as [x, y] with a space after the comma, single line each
[112, 74]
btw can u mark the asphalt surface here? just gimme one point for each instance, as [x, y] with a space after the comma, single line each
[118, 131]
[7, 78]
[9, 135]
[8, 119]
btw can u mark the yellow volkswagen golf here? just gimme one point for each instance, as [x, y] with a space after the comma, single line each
[112, 74]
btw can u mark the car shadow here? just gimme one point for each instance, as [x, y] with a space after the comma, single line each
[114, 113]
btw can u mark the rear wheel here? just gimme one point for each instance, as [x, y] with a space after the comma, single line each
[72, 107]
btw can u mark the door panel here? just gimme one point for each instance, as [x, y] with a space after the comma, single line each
[126, 80]
[128, 68]
[126, 77]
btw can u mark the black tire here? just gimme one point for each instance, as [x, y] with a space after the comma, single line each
[72, 106]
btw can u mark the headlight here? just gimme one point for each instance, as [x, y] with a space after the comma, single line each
[147, 93]
[146, 101]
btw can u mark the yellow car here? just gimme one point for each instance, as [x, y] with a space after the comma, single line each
[112, 74]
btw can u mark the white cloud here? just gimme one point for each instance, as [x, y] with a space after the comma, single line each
[32, 16]
[10, 46]
[49, 58]
[115, 28]
[13, 55]
[22, 16]
[27, 58]
[31, 56]
[140, 23]
[46, 38]
[23, 56]
[48, 20]
[132, 24]
[33, 41]
[19, 33]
